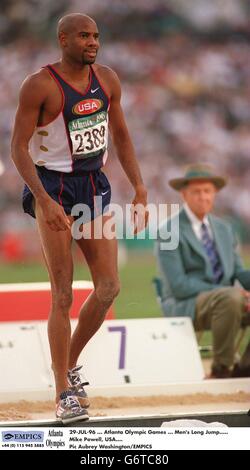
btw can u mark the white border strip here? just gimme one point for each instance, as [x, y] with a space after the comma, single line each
[40, 286]
[214, 387]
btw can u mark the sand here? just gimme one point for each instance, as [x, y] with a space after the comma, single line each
[125, 406]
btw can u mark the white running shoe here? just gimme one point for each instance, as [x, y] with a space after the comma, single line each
[68, 409]
[77, 383]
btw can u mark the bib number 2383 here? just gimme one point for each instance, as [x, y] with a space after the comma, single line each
[89, 135]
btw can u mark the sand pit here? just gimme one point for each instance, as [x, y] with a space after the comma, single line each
[122, 406]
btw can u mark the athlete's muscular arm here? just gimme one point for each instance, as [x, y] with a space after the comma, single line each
[125, 149]
[32, 97]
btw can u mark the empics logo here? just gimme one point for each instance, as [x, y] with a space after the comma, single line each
[87, 107]
[8, 436]
[22, 436]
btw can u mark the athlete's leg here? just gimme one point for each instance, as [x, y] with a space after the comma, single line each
[101, 256]
[57, 252]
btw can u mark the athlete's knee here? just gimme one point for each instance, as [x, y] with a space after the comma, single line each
[62, 300]
[107, 290]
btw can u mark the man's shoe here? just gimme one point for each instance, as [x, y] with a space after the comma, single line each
[68, 409]
[220, 372]
[77, 386]
[239, 371]
[242, 368]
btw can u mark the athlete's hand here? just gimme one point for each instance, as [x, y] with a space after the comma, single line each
[54, 215]
[139, 212]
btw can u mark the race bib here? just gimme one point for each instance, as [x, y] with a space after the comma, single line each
[89, 135]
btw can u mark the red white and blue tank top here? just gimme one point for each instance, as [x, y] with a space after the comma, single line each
[77, 138]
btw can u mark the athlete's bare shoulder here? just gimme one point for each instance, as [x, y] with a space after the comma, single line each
[109, 78]
[106, 71]
[36, 85]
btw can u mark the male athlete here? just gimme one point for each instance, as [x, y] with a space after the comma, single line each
[59, 146]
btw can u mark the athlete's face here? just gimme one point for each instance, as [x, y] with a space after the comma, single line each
[82, 44]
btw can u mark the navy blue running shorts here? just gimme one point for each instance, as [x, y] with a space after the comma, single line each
[69, 189]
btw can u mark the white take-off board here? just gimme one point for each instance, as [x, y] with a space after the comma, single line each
[138, 351]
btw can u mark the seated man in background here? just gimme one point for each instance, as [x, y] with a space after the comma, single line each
[198, 276]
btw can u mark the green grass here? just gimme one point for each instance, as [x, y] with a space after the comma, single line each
[137, 298]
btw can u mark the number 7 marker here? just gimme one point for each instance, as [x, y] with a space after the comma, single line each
[122, 330]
